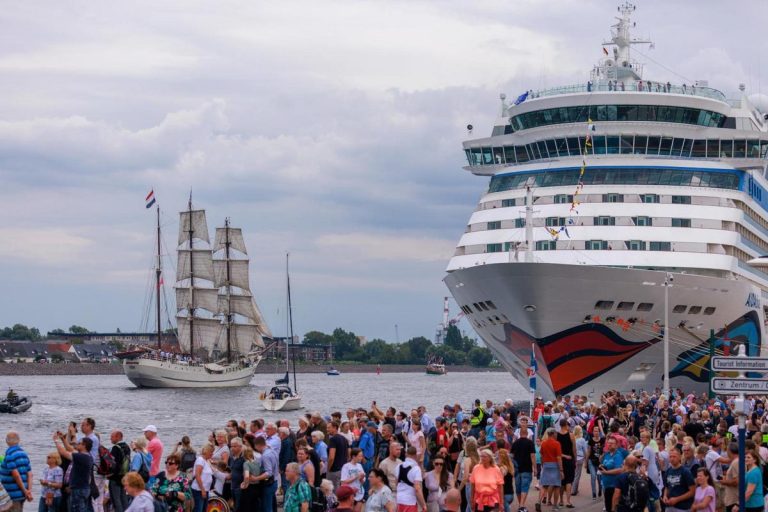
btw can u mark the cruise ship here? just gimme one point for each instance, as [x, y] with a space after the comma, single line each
[607, 200]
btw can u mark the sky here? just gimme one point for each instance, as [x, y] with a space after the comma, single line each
[331, 130]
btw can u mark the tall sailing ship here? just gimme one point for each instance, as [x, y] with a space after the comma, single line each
[604, 198]
[220, 327]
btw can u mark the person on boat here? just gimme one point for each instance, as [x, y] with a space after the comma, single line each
[12, 397]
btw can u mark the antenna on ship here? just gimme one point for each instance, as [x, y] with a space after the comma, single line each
[620, 66]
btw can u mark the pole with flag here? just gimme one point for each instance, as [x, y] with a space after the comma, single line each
[150, 200]
[532, 377]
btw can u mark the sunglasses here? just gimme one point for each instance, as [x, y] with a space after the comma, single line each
[437, 464]
[170, 463]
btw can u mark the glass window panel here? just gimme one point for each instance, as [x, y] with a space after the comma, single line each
[753, 149]
[487, 156]
[552, 147]
[641, 141]
[677, 146]
[687, 145]
[642, 113]
[696, 179]
[726, 148]
[699, 148]
[653, 145]
[469, 156]
[598, 145]
[666, 145]
[542, 147]
[521, 154]
[713, 148]
[623, 112]
[613, 145]
[573, 146]
[763, 148]
[498, 155]
[509, 154]
[652, 112]
[626, 144]
[740, 148]
[562, 147]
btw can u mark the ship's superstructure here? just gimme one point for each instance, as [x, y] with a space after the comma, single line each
[600, 193]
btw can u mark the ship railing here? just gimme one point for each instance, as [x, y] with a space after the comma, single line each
[639, 86]
[169, 358]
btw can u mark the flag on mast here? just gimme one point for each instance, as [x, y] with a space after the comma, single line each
[150, 198]
[605, 51]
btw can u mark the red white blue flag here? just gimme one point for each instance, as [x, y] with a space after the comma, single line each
[150, 198]
[532, 371]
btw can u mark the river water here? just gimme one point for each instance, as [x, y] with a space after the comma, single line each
[114, 402]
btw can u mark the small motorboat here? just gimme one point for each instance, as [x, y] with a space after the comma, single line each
[15, 404]
[281, 398]
[332, 371]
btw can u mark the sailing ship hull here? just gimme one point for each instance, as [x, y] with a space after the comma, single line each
[282, 404]
[151, 373]
[431, 370]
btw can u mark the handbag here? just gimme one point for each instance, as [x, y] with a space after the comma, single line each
[94, 489]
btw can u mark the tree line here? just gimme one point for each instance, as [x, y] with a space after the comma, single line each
[456, 349]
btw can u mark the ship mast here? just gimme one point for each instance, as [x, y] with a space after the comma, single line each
[191, 232]
[158, 278]
[227, 243]
[290, 323]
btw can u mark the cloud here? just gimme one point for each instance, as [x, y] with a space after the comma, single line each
[400, 248]
[46, 247]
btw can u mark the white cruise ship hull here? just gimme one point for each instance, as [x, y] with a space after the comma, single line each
[152, 373]
[583, 349]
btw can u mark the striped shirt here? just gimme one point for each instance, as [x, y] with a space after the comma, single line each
[15, 458]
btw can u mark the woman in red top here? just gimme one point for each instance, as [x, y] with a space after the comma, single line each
[487, 484]
[551, 466]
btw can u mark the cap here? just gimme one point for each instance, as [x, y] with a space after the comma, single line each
[548, 402]
[371, 424]
[345, 492]
[150, 428]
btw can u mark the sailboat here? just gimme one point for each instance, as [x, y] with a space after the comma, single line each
[220, 327]
[281, 397]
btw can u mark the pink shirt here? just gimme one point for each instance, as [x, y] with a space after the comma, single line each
[155, 448]
[703, 492]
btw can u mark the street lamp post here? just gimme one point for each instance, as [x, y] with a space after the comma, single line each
[667, 284]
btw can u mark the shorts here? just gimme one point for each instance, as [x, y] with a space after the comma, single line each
[407, 508]
[719, 495]
[522, 483]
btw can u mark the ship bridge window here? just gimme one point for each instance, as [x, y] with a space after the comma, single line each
[643, 221]
[709, 310]
[613, 198]
[661, 246]
[546, 245]
[713, 148]
[680, 308]
[681, 199]
[493, 248]
[653, 145]
[641, 141]
[694, 310]
[506, 203]
[564, 199]
[681, 223]
[604, 304]
[649, 198]
[596, 245]
[491, 305]
[496, 224]
[625, 306]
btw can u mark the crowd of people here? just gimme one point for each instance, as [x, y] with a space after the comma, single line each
[640, 450]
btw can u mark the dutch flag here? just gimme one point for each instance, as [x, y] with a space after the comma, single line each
[150, 198]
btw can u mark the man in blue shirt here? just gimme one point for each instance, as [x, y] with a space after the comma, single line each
[270, 465]
[16, 472]
[367, 445]
[611, 466]
[679, 485]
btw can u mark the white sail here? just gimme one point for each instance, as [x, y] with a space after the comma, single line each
[205, 332]
[238, 305]
[194, 220]
[238, 273]
[206, 298]
[235, 239]
[245, 337]
[198, 260]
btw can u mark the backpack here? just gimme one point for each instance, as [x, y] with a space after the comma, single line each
[402, 474]
[318, 500]
[125, 460]
[546, 422]
[143, 469]
[638, 493]
[107, 464]
[187, 461]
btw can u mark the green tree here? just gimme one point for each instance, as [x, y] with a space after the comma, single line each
[468, 343]
[76, 329]
[453, 338]
[479, 357]
[418, 347]
[57, 331]
[317, 338]
[345, 343]
[20, 332]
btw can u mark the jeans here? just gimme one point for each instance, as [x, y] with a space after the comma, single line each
[269, 498]
[597, 485]
[237, 492]
[468, 493]
[523, 483]
[80, 500]
[42, 507]
[200, 502]
[577, 476]
[367, 465]
[118, 496]
[508, 499]
[98, 503]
